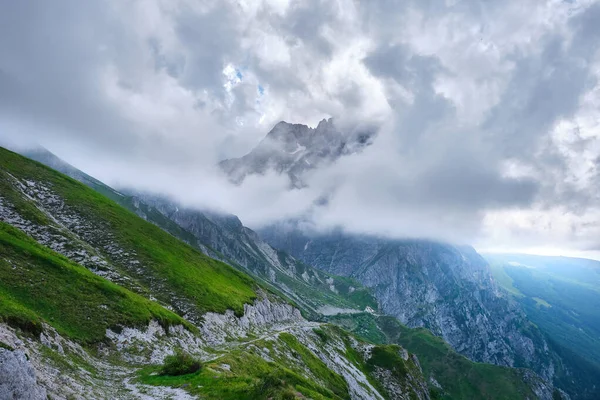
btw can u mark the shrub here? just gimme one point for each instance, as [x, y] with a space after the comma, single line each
[321, 334]
[180, 364]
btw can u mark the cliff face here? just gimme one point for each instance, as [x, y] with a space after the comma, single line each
[444, 288]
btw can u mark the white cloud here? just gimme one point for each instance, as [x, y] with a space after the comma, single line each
[488, 108]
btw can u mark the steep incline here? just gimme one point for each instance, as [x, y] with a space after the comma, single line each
[250, 349]
[223, 237]
[93, 298]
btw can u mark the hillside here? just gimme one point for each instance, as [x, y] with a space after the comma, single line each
[450, 375]
[223, 237]
[94, 298]
[103, 296]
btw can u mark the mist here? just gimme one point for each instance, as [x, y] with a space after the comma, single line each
[486, 112]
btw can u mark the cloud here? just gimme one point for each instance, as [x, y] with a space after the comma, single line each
[487, 109]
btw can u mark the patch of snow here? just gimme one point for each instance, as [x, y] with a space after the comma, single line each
[299, 148]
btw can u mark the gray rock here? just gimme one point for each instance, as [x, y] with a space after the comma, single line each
[17, 377]
[293, 149]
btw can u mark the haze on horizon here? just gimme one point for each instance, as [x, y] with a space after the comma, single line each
[487, 111]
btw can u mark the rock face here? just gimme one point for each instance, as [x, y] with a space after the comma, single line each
[17, 377]
[293, 148]
[444, 288]
[221, 236]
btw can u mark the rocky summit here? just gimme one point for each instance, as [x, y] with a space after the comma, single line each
[293, 149]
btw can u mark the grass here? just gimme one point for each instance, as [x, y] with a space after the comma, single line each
[504, 280]
[333, 381]
[541, 302]
[363, 325]
[38, 285]
[249, 377]
[209, 284]
[460, 377]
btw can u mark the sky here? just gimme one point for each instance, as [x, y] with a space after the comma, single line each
[487, 111]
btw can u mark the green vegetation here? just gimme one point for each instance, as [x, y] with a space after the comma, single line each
[364, 325]
[320, 294]
[459, 377]
[38, 285]
[567, 311]
[388, 357]
[358, 295]
[334, 382]
[211, 285]
[24, 207]
[541, 302]
[503, 279]
[245, 375]
[561, 296]
[179, 363]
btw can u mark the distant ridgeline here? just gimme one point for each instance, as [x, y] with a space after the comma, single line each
[561, 295]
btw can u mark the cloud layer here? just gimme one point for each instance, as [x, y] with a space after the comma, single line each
[487, 109]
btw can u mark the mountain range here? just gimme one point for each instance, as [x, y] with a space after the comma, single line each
[103, 285]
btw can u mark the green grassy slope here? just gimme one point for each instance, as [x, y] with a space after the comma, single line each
[295, 371]
[459, 377]
[209, 284]
[250, 377]
[37, 284]
[228, 232]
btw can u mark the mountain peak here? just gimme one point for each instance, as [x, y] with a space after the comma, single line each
[293, 149]
[325, 124]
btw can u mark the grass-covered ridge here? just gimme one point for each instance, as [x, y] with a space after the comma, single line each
[38, 285]
[208, 284]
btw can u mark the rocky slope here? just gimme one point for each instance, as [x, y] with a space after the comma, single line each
[224, 237]
[446, 289]
[93, 298]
